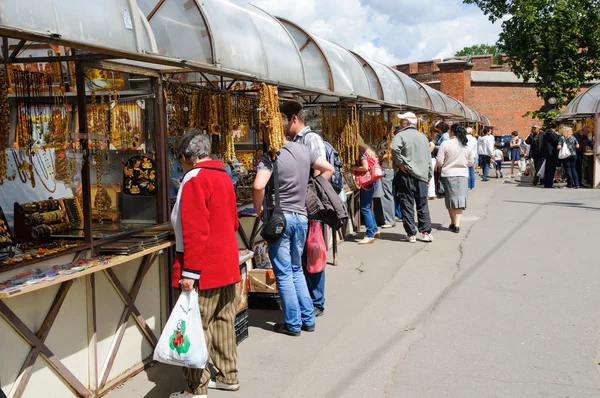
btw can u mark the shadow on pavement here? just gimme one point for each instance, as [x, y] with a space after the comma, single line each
[575, 205]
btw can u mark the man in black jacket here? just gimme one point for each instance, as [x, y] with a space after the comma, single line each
[550, 142]
[535, 150]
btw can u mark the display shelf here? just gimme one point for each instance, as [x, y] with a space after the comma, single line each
[116, 260]
[25, 263]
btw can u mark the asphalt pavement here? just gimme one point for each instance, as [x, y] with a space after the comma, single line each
[510, 307]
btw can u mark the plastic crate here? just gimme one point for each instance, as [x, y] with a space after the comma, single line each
[241, 327]
[264, 301]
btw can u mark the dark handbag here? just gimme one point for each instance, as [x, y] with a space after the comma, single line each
[275, 225]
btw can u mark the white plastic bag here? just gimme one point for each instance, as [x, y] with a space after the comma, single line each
[565, 152]
[182, 341]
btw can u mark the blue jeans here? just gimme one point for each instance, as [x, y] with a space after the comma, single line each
[569, 164]
[286, 257]
[471, 177]
[366, 199]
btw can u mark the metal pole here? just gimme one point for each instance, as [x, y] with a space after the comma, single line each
[85, 169]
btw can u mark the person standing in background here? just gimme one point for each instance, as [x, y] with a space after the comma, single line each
[585, 142]
[551, 154]
[535, 151]
[366, 193]
[454, 159]
[388, 202]
[485, 149]
[412, 157]
[566, 138]
[472, 145]
[443, 129]
[515, 152]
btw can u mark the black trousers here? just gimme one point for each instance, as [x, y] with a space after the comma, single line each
[411, 191]
[551, 163]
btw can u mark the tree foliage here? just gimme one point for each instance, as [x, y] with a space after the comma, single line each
[554, 43]
[478, 49]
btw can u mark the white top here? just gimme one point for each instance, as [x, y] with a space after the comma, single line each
[472, 144]
[498, 155]
[485, 145]
[454, 159]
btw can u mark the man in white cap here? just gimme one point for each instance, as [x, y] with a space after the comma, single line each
[412, 158]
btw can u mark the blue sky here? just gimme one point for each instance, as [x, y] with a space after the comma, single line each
[389, 31]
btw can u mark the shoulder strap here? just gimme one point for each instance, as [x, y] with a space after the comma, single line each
[277, 203]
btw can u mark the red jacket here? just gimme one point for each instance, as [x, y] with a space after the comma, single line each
[205, 222]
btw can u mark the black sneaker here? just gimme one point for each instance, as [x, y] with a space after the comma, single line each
[306, 328]
[283, 329]
[317, 312]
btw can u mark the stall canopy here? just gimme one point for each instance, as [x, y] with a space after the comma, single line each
[231, 36]
[219, 37]
[584, 105]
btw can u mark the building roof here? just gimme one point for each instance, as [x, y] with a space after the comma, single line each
[494, 77]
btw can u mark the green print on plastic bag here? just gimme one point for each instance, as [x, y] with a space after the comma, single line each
[179, 341]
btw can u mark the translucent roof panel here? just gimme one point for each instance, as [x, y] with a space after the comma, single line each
[349, 77]
[374, 84]
[180, 31]
[316, 67]
[147, 5]
[393, 92]
[247, 39]
[413, 91]
[454, 106]
[437, 101]
[584, 104]
[425, 96]
[108, 24]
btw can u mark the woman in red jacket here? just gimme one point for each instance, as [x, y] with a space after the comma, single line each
[205, 222]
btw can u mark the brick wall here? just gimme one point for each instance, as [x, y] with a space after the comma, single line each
[505, 105]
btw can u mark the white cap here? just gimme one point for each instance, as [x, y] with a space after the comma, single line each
[411, 117]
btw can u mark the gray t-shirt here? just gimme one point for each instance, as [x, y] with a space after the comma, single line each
[294, 163]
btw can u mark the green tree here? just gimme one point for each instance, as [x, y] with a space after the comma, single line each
[554, 43]
[479, 49]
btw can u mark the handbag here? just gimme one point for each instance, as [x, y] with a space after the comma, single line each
[370, 177]
[275, 225]
[565, 152]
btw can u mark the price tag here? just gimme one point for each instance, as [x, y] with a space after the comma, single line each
[127, 19]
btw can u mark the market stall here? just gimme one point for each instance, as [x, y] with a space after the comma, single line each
[584, 110]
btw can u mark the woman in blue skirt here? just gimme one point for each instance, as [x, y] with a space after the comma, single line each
[515, 152]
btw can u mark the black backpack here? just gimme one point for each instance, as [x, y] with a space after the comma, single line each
[333, 157]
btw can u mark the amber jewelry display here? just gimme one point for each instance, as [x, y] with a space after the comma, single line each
[269, 116]
[74, 212]
[139, 176]
[6, 237]
[4, 127]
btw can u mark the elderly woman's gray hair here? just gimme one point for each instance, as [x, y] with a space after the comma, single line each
[194, 144]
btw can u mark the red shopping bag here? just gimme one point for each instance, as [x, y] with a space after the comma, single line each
[316, 251]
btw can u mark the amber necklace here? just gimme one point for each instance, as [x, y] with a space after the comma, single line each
[46, 177]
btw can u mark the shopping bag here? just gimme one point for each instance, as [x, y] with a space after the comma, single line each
[564, 152]
[542, 170]
[316, 251]
[182, 341]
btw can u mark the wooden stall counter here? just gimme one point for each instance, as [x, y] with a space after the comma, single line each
[80, 335]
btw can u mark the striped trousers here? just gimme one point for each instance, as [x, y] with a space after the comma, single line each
[217, 308]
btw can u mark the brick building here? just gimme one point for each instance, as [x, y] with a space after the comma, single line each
[491, 89]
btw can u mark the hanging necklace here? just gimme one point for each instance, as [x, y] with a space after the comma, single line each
[41, 165]
[42, 180]
[21, 166]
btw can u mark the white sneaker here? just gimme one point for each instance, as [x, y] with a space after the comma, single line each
[217, 385]
[185, 394]
[425, 237]
[412, 239]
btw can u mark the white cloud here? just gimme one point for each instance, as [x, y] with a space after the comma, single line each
[390, 31]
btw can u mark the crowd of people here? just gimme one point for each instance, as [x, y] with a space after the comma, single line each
[414, 171]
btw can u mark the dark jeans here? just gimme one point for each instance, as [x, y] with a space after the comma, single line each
[484, 161]
[550, 170]
[569, 166]
[537, 162]
[579, 167]
[413, 191]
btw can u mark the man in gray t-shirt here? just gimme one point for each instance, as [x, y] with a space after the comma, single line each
[293, 175]
[294, 162]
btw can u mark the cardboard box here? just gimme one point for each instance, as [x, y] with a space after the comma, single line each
[262, 281]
